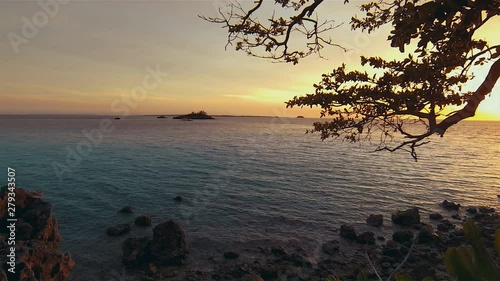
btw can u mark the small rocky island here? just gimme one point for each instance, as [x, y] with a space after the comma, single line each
[195, 115]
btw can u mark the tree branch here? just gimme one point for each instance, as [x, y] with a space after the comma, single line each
[470, 108]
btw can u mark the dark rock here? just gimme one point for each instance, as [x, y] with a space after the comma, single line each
[450, 205]
[381, 238]
[152, 269]
[268, 272]
[471, 210]
[42, 260]
[454, 241]
[24, 199]
[367, 237]
[456, 216]
[408, 217]
[404, 250]
[445, 225]
[178, 198]
[386, 265]
[279, 251]
[231, 255]
[486, 210]
[459, 232]
[331, 247]
[375, 220]
[301, 261]
[143, 221]
[422, 271]
[427, 234]
[348, 232]
[391, 249]
[126, 210]
[118, 229]
[23, 230]
[169, 273]
[135, 251]
[240, 270]
[252, 277]
[40, 216]
[402, 236]
[169, 244]
[436, 217]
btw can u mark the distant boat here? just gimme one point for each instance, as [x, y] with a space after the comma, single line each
[161, 117]
[300, 116]
[117, 118]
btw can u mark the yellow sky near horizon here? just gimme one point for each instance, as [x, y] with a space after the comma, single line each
[91, 54]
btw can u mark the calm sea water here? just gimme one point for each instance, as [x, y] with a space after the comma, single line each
[243, 179]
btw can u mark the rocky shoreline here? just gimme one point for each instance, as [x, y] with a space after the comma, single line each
[346, 254]
[165, 255]
[37, 240]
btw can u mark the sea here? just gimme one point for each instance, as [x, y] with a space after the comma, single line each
[243, 180]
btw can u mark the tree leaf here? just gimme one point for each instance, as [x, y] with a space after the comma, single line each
[362, 276]
[460, 263]
[402, 277]
[486, 267]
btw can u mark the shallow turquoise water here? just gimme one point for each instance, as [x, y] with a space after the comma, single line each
[243, 179]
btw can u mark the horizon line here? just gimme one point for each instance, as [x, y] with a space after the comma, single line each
[215, 115]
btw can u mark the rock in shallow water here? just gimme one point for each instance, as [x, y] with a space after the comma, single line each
[427, 234]
[231, 255]
[169, 244]
[408, 217]
[118, 230]
[445, 225]
[486, 210]
[435, 216]
[375, 220]
[126, 210]
[167, 247]
[135, 251]
[471, 210]
[367, 238]
[348, 232]
[143, 221]
[450, 205]
[331, 247]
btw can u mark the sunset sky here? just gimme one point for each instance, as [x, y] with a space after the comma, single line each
[92, 52]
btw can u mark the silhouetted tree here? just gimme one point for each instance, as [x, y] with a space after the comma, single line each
[414, 90]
